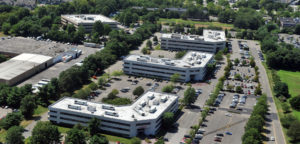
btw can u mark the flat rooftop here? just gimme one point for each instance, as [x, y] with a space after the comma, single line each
[208, 36]
[149, 106]
[88, 18]
[190, 60]
[20, 64]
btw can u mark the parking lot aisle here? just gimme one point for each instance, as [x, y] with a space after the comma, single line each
[191, 117]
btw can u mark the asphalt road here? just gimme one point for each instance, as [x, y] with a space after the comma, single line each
[274, 126]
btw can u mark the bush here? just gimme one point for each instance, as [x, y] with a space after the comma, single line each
[168, 88]
[138, 91]
[295, 102]
[180, 54]
[117, 101]
[93, 86]
[287, 120]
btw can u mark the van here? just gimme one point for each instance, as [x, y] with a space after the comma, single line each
[42, 83]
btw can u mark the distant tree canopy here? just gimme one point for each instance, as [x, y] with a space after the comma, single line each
[248, 19]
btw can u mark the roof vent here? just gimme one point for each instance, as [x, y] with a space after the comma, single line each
[108, 107]
[91, 109]
[111, 114]
[80, 103]
[74, 107]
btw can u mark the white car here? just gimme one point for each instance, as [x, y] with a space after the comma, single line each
[272, 138]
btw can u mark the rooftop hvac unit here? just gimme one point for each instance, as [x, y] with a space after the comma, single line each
[151, 96]
[163, 99]
[152, 109]
[91, 109]
[111, 114]
[198, 61]
[80, 103]
[156, 102]
[74, 107]
[141, 59]
[203, 56]
[143, 103]
[108, 107]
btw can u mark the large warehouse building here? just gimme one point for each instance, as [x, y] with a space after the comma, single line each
[192, 67]
[87, 21]
[23, 66]
[142, 117]
[211, 41]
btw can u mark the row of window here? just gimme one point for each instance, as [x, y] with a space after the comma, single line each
[160, 68]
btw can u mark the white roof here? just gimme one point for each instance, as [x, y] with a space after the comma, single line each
[208, 36]
[190, 60]
[21, 64]
[88, 18]
[125, 113]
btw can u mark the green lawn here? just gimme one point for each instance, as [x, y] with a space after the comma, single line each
[2, 135]
[40, 110]
[2, 34]
[197, 23]
[115, 138]
[293, 81]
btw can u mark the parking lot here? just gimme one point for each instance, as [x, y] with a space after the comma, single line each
[4, 111]
[56, 69]
[233, 109]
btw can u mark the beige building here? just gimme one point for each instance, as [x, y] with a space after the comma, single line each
[23, 66]
[87, 21]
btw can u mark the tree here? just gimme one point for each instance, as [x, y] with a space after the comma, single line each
[295, 102]
[113, 94]
[101, 81]
[145, 50]
[138, 91]
[237, 77]
[168, 119]
[219, 56]
[244, 62]
[180, 54]
[98, 140]
[189, 96]
[135, 140]
[281, 89]
[155, 39]
[168, 88]
[45, 133]
[230, 87]
[258, 90]
[12, 119]
[98, 28]
[75, 136]
[297, 29]
[254, 134]
[238, 89]
[236, 61]
[287, 120]
[252, 62]
[285, 107]
[175, 77]
[294, 131]
[160, 141]
[6, 27]
[94, 125]
[149, 44]
[14, 135]
[28, 104]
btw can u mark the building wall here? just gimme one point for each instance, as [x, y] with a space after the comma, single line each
[112, 125]
[196, 45]
[163, 71]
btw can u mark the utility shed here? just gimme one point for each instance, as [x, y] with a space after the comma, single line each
[23, 66]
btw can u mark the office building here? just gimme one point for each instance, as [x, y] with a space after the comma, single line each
[211, 41]
[23, 66]
[142, 117]
[87, 21]
[192, 67]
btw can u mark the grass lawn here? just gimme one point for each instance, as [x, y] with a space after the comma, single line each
[40, 110]
[2, 34]
[293, 81]
[196, 23]
[2, 135]
[62, 129]
[116, 138]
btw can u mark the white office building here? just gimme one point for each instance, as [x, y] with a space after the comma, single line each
[87, 21]
[192, 67]
[142, 117]
[211, 41]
